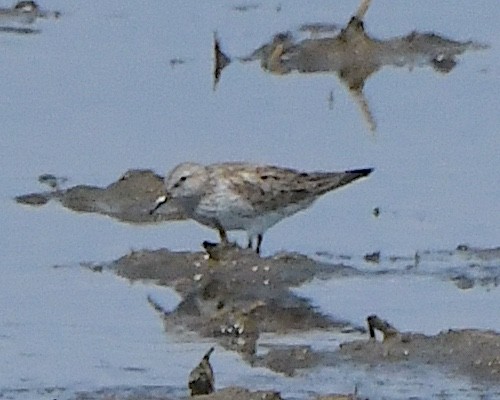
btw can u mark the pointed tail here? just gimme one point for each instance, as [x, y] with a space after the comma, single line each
[350, 176]
[328, 181]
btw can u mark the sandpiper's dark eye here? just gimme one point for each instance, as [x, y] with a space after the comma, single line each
[181, 179]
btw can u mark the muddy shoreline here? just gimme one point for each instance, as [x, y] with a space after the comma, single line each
[232, 295]
[236, 298]
[245, 307]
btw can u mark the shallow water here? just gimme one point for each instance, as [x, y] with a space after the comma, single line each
[401, 300]
[94, 94]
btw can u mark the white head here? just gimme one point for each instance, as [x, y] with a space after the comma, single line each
[186, 181]
[184, 187]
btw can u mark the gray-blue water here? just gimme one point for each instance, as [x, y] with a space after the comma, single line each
[94, 94]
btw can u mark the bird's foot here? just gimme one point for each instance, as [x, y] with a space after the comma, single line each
[224, 250]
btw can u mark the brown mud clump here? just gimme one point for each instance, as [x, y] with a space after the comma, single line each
[128, 199]
[236, 297]
[468, 352]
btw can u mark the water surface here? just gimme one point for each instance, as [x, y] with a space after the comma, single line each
[94, 94]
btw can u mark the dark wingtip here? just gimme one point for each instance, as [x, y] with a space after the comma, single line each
[362, 171]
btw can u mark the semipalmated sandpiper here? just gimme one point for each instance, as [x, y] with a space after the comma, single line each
[249, 197]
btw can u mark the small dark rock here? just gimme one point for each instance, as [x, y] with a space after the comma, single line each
[201, 379]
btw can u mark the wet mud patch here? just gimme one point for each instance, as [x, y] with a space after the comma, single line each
[237, 297]
[468, 352]
[128, 199]
[466, 266]
[228, 393]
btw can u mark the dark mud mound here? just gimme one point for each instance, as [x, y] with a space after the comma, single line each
[129, 199]
[239, 296]
[469, 352]
[235, 298]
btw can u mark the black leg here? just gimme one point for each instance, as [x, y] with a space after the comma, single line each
[222, 235]
[259, 242]
[249, 245]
